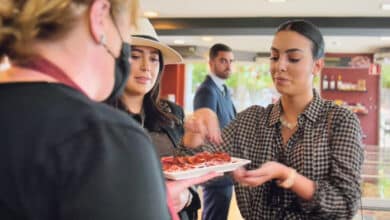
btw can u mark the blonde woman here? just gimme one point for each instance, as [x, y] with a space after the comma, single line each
[64, 155]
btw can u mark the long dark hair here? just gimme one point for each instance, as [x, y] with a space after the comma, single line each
[308, 30]
[155, 115]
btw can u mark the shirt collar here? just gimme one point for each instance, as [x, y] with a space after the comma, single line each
[218, 81]
[315, 107]
[311, 112]
[275, 113]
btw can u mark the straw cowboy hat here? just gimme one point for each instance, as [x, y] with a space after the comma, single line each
[145, 35]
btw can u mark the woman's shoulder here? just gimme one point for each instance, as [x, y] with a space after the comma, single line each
[338, 114]
[336, 110]
[170, 107]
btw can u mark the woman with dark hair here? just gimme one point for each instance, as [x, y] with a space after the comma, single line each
[162, 119]
[306, 152]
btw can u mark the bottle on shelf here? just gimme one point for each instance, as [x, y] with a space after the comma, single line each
[325, 82]
[339, 83]
[332, 83]
[361, 85]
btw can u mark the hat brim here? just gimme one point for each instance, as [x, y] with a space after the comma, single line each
[170, 55]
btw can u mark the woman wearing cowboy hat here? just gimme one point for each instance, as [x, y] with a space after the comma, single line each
[162, 119]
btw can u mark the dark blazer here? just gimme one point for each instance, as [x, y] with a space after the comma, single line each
[210, 96]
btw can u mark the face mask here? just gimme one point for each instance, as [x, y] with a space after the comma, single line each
[122, 72]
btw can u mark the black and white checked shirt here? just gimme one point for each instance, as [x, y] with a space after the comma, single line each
[326, 148]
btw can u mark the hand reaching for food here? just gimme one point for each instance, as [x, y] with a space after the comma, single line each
[200, 127]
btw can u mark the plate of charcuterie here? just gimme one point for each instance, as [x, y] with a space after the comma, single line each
[184, 167]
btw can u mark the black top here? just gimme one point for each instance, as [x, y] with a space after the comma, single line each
[172, 132]
[64, 156]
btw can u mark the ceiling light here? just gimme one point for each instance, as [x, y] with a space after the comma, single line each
[385, 6]
[150, 14]
[207, 38]
[276, 1]
[178, 41]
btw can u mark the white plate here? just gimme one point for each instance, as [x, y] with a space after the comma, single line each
[196, 172]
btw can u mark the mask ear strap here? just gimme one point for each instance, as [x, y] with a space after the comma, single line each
[117, 28]
[108, 50]
[103, 38]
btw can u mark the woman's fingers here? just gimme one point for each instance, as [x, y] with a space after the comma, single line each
[251, 177]
[191, 125]
[239, 173]
[257, 172]
[254, 181]
[205, 125]
[195, 124]
[195, 132]
[214, 134]
[179, 201]
[211, 123]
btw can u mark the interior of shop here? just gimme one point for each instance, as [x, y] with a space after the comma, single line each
[356, 74]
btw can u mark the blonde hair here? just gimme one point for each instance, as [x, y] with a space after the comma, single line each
[25, 21]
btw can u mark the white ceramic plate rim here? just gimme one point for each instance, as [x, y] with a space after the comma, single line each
[196, 172]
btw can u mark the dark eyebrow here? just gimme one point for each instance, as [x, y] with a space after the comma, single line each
[274, 49]
[136, 49]
[229, 60]
[293, 50]
[287, 51]
[141, 51]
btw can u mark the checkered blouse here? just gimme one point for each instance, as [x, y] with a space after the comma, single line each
[326, 148]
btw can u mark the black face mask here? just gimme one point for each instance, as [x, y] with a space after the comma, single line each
[122, 72]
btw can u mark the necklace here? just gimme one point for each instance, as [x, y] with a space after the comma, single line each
[287, 124]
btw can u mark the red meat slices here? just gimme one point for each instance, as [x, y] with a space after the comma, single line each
[172, 164]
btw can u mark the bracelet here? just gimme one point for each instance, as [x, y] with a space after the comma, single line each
[185, 198]
[289, 181]
[189, 199]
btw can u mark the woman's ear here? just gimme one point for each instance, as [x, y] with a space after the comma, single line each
[98, 16]
[318, 66]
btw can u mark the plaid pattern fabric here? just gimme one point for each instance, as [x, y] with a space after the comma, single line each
[333, 163]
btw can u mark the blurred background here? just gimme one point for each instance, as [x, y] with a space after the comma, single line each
[357, 38]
